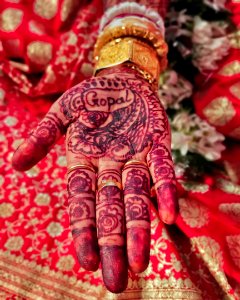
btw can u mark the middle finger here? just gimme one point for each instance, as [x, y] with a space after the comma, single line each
[110, 225]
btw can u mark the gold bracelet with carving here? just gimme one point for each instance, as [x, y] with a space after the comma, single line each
[131, 27]
[138, 54]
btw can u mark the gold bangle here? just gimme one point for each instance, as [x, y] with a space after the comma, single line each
[144, 74]
[130, 27]
[130, 50]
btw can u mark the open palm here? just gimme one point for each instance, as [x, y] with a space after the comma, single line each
[117, 135]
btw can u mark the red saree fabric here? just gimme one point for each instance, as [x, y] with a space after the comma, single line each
[198, 258]
[218, 98]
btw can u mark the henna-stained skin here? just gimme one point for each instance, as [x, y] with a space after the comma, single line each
[136, 180]
[81, 190]
[111, 230]
[109, 120]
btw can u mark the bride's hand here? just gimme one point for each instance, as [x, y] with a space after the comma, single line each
[117, 138]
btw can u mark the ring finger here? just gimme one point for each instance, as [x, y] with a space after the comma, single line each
[81, 190]
[136, 182]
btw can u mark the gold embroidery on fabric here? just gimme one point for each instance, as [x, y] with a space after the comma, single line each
[36, 27]
[50, 75]
[194, 214]
[231, 209]
[54, 229]
[21, 80]
[211, 254]
[233, 242]
[194, 186]
[36, 282]
[46, 9]
[33, 172]
[14, 243]
[6, 210]
[42, 199]
[228, 186]
[10, 19]
[235, 90]
[235, 39]
[10, 121]
[155, 294]
[65, 263]
[39, 52]
[231, 68]
[219, 111]
[67, 7]
[27, 279]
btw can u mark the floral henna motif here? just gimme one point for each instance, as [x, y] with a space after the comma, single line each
[82, 218]
[137, 181]
[159, 160]
[79, 182]
[136, 194]
[110, 224]
[136, 198]
[48, 131]
[136, 209]
[39, 143]
[110, 220]
[162, 161]
[79, 209]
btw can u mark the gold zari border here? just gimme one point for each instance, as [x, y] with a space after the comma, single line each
[34, 282]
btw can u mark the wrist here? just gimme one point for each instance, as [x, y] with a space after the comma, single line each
[119, 69]
[127, 69]
[133, 40]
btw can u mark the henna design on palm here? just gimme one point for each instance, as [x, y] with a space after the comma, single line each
[112, 112]
[110, 120]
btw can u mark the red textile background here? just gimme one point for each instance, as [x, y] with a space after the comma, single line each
[46, 48]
